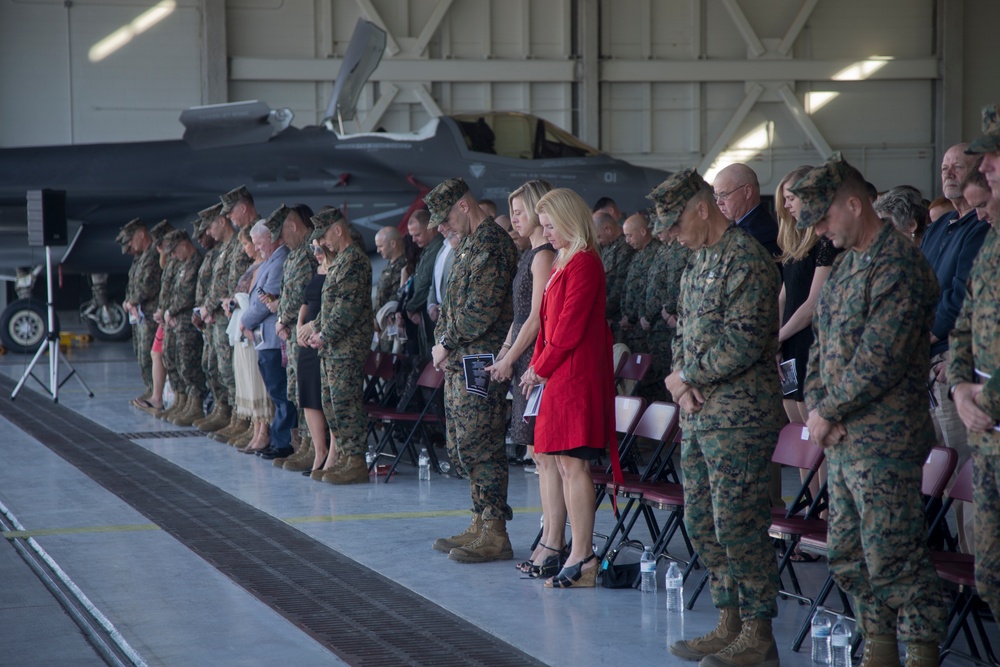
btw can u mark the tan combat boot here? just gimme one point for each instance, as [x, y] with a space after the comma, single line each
[180, 402]
[880, 651]
[228, 430]
[200, 423]
[491, 544]
[724, 634]
[302, 459]
[446, 544]
[241, 430]
[754, 647]
[242, 439]
[194, 411]
[353, 471]
[922, 654]
[181, 410]
[221, 419]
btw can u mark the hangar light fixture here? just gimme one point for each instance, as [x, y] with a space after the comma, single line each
[124, 34]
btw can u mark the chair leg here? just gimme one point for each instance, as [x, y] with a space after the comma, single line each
[804, 629]
[697, 591]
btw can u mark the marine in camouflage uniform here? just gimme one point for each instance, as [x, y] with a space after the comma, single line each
[209, 362]
[143, 291]
[974, 379]
[344, 327]
[726, 382]
[866, 392]
[616, 257]
[169, 354]
[633, 303]
[475, 315]
[178, 308]
[663, 287]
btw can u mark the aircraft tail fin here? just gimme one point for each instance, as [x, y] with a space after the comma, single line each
[364, 52]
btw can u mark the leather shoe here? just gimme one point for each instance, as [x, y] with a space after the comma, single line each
[280, 453]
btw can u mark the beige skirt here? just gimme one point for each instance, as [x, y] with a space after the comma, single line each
[251, 396]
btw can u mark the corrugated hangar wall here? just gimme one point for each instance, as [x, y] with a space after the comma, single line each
[668, 83]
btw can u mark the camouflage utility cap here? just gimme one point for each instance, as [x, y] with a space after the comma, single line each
[130, 228]
[673, 194]
[817, 189]
[322, 221]
[160, 229]
[174, 239]
[440, 200]
[990, 141]
[210, 213]
[234, 197]
[276, 220]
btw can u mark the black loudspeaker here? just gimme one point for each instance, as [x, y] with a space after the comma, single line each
[47, 218]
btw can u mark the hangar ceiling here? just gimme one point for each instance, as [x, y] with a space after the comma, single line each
[666, 83]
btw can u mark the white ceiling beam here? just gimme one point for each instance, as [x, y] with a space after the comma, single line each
[427, 100]
[563, 71]
[722, 141]
[431, 27]
[799, 22]
[754, 45]
[368, 9]
[805, 122]
[758, 70]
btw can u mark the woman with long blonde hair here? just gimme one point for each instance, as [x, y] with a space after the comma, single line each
[533, 269]
[573, 361]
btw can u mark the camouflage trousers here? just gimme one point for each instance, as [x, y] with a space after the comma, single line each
[292, 350]
[659, 345]
[636, 339]
[210, 366]
[986, 493]
[343, 403]
[476, 427]
[171, 358]
[224, 357]
[878, 548]
[189, 344]
[142, 342]
[727, 514]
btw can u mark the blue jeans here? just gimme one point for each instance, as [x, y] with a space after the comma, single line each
[276, 383]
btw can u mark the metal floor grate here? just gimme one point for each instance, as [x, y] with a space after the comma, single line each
[361, 616]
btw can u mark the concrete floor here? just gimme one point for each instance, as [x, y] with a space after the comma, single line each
[175, 609]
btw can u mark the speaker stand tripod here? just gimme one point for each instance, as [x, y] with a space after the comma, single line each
[51, 346]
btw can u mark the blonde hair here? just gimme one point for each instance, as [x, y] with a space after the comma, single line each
[572, 218]
[530, 193]
[795, 244]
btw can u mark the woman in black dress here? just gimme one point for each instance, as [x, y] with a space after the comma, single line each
[310, 390]
[807, 260]
[533, 271]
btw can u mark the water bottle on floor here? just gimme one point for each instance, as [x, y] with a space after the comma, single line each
[647, 568]
[424, 465]
[674, 585]
[840, 643]
[821, 637]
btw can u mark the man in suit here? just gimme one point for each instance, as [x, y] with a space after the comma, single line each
[737, 192]
[258, 323]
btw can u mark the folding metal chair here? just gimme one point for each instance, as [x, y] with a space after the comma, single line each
[431, 380]
[634, 370]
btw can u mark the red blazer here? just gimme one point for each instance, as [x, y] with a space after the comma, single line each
[573, 352]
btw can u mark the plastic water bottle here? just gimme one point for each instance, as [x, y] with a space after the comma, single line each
[840, 643]
[821, 637]
[647, 567]
[424, 465]
[674, 585]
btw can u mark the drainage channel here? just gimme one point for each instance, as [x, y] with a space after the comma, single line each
[358, 614]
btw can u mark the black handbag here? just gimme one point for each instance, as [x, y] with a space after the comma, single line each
[620, 567]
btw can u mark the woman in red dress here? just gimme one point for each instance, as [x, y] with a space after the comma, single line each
[573, 361]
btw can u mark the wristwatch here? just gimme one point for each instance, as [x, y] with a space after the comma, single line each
[951, 392]
[683, 377]
[444, 344]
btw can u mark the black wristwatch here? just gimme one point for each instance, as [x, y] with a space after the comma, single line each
[444, 344]
[951, 392]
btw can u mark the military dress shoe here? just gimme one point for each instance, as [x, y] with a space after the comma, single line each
[273, 453]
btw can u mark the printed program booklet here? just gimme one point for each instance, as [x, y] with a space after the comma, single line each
[477, 378]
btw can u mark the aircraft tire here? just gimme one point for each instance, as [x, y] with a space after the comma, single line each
[119, 329]
[23, 326]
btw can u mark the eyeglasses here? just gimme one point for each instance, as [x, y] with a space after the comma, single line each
[317, 249]
[722, 196]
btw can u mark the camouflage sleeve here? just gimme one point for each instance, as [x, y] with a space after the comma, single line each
[677, 259]
[961, 367]
[484, 299]
[628, 301]
[149, 278]
[343, 303]
[298, 272]
[167, 286]
[746, 327]
[185, 287]
[204, 278]
[812, 388]
[615, 286]
[891, 331]
[656, 291]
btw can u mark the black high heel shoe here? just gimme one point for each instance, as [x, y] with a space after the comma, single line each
[550, 565]
[574, 576]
